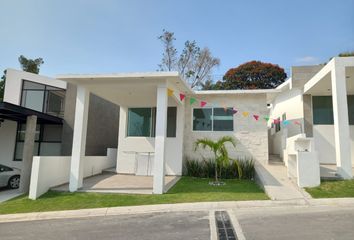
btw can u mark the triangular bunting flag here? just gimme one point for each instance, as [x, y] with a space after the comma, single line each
[297, 123]
[182, 96]
[276, 121]
[286, 122]
[245, 114]
[202, 103]
[169, 92]
[256, 117]
[234, 111]
[192, 100]
[266, 118]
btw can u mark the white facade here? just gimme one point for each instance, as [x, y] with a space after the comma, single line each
[334, 142]
[12, 94]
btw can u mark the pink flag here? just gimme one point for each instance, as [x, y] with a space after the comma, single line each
[256, 117]
[182, 96]
[276, 121]
[202, 103]
[297, 123]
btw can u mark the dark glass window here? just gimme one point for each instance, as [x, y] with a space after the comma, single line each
[202, 119]
[171, 121]
[47, 140]
[223, 120]
[322, 110]
[43, 98]
[142, 122]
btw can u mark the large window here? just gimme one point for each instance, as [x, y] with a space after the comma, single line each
[323, 110]
[47, 140]
[142, 121]
[213, 119]
[43, 98]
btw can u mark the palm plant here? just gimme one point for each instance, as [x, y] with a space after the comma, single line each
[218, 147]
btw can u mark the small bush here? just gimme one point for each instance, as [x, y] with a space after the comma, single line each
[242, 168]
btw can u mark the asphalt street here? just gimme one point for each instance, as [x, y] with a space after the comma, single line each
[290, 223]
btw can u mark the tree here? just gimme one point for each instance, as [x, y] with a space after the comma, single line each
[346, 54]
[219, 150]
[194, 64]
[2, 86]
[253, 75]
[30, 65]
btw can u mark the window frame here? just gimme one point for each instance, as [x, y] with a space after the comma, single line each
[39, 141]
[152, 122]
[212, 121]
[45, 97]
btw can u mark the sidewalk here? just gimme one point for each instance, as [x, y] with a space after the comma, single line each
[276, 183]
[180, 207]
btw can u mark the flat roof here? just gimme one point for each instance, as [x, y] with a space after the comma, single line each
[17, 113]
[246, 91]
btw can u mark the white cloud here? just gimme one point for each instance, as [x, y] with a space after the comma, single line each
[307, 60]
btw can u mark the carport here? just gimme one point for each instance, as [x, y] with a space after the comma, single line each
[9, 111]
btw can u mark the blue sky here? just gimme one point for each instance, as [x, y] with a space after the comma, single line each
[104, 36]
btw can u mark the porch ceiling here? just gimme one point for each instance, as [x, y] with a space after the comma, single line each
[321, 84]
[131, 89]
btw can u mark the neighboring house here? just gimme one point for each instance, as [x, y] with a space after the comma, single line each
[320, 101]
[53, 101]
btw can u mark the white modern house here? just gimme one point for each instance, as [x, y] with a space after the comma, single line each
[155, 118]
[320, 101]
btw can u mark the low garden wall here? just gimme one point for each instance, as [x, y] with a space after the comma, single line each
[51, 171]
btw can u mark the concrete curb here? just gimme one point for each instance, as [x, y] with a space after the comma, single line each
[180, 207]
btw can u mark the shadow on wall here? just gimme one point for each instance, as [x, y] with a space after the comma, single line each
[102, 126]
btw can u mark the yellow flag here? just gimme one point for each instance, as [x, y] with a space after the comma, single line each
[245, 114]
[169, 92]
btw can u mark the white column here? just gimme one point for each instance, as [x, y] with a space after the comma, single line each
[27, 155]
[180, 135]
[341, 123]
[122, 130]
[79, 139]
[160, 139]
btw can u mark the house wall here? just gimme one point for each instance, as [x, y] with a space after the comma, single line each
[250, 135]
[12, 94]
[324, 143]
[289, 102]
[102, 125]
[13, 86]
[49, 172]
[128, 146]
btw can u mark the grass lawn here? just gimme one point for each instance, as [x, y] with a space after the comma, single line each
[333, 189]
[186, 190]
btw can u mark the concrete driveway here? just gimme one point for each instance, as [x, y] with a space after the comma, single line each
[7, 194]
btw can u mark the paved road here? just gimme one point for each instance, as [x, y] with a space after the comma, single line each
[302, 223]
[191, 226]
[275, 223]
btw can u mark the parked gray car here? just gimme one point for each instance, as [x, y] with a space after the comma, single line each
[9, 177]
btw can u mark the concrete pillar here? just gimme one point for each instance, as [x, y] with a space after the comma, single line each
[27, 155]
[123, 125]
[180, 134]
[160, 139]
[341, 122]
[79, 139]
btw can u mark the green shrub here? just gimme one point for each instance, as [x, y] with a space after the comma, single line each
[241, 168]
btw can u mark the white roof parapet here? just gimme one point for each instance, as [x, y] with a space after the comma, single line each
[246, 91]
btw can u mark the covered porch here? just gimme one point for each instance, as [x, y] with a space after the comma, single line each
[331, 120]
[150, 134]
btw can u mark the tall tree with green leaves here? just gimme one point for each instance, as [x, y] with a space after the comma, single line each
[253, 75]
[195, 64]
[30, 65]
[2, 86]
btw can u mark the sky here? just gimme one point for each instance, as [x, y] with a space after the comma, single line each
[108, 36]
